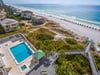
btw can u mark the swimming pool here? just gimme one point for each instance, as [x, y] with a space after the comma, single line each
[21, 52]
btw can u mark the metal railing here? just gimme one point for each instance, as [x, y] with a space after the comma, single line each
[28, 42]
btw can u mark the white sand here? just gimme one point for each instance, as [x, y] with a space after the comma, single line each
[80, 30]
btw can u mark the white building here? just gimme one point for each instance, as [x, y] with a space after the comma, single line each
[17, 12]
[38, 19]
[26, 14]
[13, 8]
[9, 24]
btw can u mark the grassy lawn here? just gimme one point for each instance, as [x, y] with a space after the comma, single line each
[10, 33]
[72, 65]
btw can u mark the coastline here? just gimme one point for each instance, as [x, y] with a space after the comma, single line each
[63, 18]
[79, 28]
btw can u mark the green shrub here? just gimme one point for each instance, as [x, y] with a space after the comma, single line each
[71, 41]
[43, 36]
[72, 65]
[38, 44]
[47, 42]
[77, 47]
[50, 47]
[1, 28]
[10, 14]
[68, 47]
[21, 24]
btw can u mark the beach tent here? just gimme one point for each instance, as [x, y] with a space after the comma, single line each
[39, 54]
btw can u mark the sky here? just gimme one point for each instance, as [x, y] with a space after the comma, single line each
[67, 2]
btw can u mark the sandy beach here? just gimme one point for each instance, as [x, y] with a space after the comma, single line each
[80, 30]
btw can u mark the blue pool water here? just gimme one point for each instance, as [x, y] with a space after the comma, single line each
[23, 67]
[6, 44]
[21, 52]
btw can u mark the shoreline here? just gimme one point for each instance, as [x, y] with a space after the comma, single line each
[65, 19]
[77, 27]
[96, 27]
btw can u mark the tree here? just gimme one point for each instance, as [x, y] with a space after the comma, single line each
[38, 44]
[1, 29]
[10, 14]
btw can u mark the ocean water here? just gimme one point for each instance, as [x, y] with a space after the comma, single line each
[84, 13]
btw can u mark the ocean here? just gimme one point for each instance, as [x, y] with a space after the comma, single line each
[84, 13]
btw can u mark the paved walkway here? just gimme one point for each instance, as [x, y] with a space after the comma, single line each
[47, 62]
[87, 54]
[93, 67]
[75, 52]
[91, 61]
[87, 48]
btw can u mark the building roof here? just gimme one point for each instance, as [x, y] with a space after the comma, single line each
[39, 54]
[8, 21]
[27, 11]
[38, 18]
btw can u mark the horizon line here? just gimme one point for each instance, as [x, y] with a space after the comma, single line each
[56, 4]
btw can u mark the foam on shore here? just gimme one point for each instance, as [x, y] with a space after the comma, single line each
[37, 12]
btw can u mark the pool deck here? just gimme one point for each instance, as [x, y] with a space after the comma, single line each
[10, 61]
